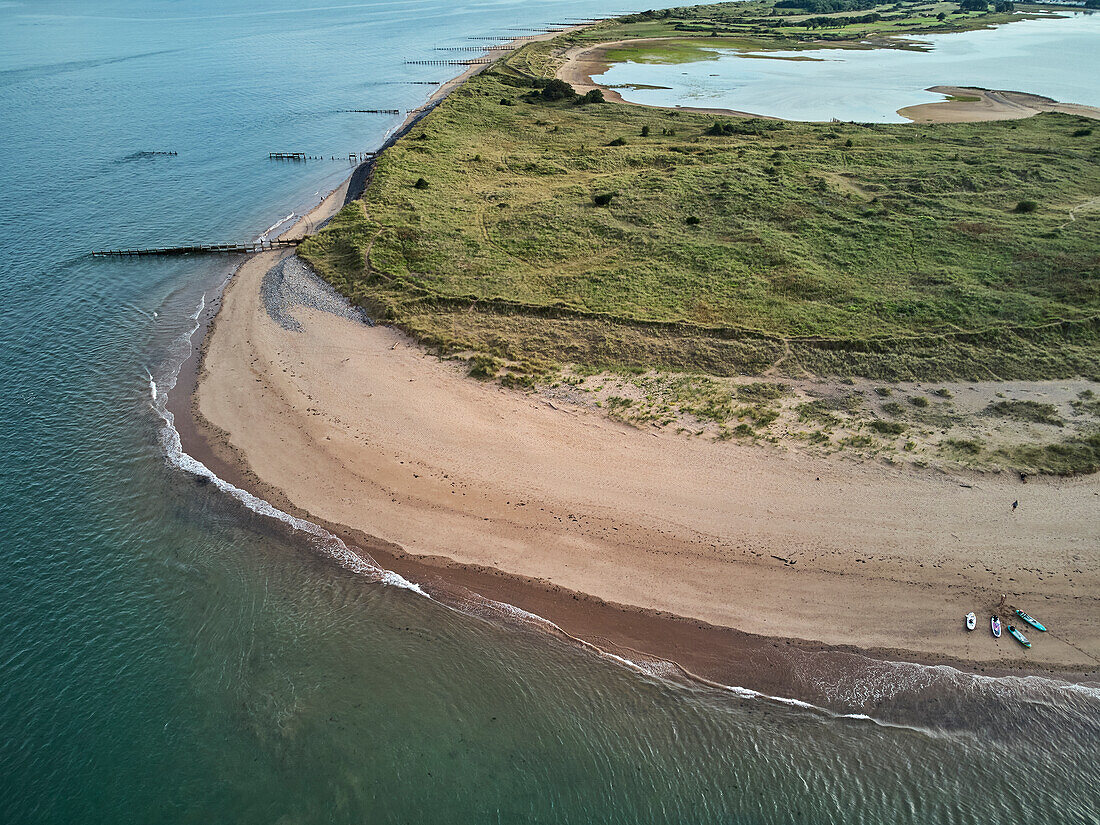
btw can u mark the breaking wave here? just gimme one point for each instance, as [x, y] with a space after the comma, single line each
[321, 539]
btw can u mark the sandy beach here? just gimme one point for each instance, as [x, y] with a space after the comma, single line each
[358, 428]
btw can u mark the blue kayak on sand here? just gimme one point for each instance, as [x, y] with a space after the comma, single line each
[1018, 636]
[1033, 622]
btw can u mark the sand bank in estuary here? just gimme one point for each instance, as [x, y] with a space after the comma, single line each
[968, 104]
[581, 63]
[361, 430]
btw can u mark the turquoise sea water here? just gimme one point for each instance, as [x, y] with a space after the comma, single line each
[1054, 57]
[169, 655]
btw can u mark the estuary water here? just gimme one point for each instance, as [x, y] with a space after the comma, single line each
[1054, 57]
[169, 654]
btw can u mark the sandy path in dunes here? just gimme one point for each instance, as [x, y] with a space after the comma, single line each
[357, 427]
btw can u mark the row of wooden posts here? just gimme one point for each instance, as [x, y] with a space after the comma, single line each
[354, 157]
[474, 48]
[483, 62]
[264, 245]
[205, 249]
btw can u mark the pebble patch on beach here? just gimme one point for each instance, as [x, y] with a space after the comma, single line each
[292, 283]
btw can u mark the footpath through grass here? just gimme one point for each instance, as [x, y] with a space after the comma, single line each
[887, 251]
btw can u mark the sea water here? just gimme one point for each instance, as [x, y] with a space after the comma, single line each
[1055, 57]
[173, 651]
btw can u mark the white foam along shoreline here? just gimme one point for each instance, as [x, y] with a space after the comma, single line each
[331, 546]
[177, 457]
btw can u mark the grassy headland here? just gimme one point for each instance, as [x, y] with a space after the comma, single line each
[530, 233]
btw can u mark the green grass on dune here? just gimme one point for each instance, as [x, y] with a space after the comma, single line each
[899, 255]
[760, 20]
[892, 251]
[527, 235]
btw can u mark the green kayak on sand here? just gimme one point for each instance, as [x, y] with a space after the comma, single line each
[1033, 622]
[1018, 636]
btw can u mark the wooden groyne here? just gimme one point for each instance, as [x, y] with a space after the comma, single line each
[373, 111]
[354, 157]
[199, 249]
[485, 62]
[474, 48]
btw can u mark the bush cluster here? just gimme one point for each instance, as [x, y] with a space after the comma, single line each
[749, 126]
[556, 90]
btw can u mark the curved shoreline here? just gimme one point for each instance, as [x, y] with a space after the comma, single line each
[705, 645]
[711, 650]
[582, 62]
